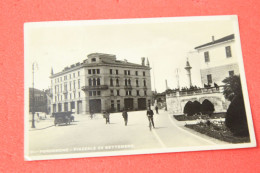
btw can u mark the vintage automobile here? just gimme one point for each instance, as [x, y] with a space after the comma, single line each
[63, 118]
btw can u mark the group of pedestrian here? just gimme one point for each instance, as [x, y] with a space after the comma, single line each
[149, 114]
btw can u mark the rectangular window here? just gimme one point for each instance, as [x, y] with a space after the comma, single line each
[130, 93]
[94, 93]
[126, 93]
[74, 84]
[112, 92]
[73, 74]
[145, 93]
[89, 71]
[70, 86]
[79, 83]
[78, 73]
[209, 78]
[90, 93]
[60, 87]
[70, 95]
[117, 92]
[231, 73]
[98, 71]
[116, 71]
[79, 94]
[111, 82]
[206, 56]
[111, 71]
[136, 73]
[228, 52]
[70, 76]
[65, 77]
[137, 93]
[112, 105]
[74, 95]
[61, 79]
[128, 72]
[93, 71]
[143, 73]
[98, 93]
[125, 72]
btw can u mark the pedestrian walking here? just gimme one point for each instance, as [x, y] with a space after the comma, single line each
[156, 108]
[125, 116]
[106, 115]
[150, 114]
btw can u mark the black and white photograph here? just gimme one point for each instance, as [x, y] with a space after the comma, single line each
[134, 86]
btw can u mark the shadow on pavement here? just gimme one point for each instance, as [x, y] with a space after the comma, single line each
[41, 128]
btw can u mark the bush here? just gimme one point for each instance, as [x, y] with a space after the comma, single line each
[192, 108]
[207, 107]
[188, 108]
[236, 117]
[196, 107]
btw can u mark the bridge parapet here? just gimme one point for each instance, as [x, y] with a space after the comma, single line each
[199, 91]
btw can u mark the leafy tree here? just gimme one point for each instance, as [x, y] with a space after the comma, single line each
[207, 107]
[188, 108]
[232, 87]
[236, 119]
[196, 107]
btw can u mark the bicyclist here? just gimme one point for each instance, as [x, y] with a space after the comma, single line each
[149, 114]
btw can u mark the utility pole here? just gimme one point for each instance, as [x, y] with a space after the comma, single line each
[177, 78]
[33, 100]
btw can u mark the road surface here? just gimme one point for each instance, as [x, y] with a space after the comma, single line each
[87, 135]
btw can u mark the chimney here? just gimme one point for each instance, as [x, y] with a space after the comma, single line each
[143, 61]
[213, 39]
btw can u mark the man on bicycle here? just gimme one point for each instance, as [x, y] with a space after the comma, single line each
[149, 114]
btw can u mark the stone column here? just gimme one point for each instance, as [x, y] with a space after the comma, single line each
[69, 106]
[84, 105]
[62, 107]
[135, 99]
[76, 107]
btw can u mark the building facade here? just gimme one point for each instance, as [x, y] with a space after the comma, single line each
[38, 101]
[102, 83]
[218, 60]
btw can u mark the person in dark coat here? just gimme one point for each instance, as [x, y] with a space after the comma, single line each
[125, 116]
[156, 108]
[150, 114]
[106, 116]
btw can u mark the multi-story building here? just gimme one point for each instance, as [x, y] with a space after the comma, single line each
[102, 83]
[38, 100]
[218, 60]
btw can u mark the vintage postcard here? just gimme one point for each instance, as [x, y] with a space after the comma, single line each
[134, 86]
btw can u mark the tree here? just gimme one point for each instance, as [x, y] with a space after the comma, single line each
[236, 119]
[188, 108]
[232, 87]
[207, 107]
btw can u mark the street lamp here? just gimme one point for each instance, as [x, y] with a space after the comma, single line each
[33, 100]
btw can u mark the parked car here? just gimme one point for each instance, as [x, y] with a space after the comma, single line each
[63, 118]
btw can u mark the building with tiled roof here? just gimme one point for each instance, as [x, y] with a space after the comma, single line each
[102, 83]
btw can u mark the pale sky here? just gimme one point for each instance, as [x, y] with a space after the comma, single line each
[166, 42]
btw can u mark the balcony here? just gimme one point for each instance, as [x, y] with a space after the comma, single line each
[98, 87]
